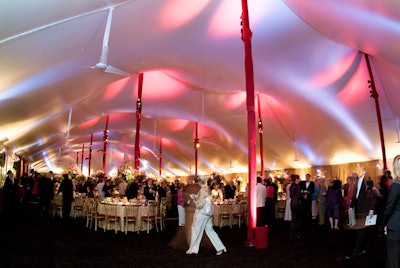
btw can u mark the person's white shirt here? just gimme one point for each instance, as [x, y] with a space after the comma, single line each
[122, 187]
[216, 194]
[99, 188]
[261, 194]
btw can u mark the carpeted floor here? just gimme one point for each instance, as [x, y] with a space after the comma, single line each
[37, 242]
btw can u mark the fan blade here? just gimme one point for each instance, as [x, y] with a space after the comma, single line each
[102, 64]
[113, 70]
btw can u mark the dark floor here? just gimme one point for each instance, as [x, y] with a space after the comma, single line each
[36, 242]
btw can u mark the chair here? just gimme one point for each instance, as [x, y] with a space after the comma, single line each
[131, 216]
[225, 214]
[150, 217]
[111, 216]
[78, 206]
[162, 213]
[57, 206]
[241, 213]
[95, 215]
[88, 211]
[280, 209]
[151, 202]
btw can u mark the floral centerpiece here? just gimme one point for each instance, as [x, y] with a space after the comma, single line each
[126, 171]
[218, 176]
[140, 175]
[73, 172]
[281, 176]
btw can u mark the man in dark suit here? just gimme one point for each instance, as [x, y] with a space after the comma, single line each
[230, 190]
[66, 188]
[10, 191]
[132, 189]
[307, 188]
[150, 190]
[46, 194]
[363, 206]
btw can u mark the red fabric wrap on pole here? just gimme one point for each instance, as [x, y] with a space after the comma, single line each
[105, 139]
[83, 153]
[251, 123]
[196, 147]
[90, 153]
[260, 133]
[160, 156]
[138, 121]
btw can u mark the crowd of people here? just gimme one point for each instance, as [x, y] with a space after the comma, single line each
[310, 202]
[329, 203]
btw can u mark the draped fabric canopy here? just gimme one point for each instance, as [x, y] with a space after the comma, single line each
[66, 65]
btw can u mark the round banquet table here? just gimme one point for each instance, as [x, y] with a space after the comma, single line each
[121, 207]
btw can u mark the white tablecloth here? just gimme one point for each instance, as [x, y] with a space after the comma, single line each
[121, 213]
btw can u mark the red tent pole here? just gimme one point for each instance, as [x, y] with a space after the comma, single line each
[83, 153]
[260, 133]
[160, 156]
[251, 123]
[138, 121]
[375, 96]
[105, 139]
[196, 147]
[90, 153]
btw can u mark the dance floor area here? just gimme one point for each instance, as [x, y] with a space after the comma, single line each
[37, 242]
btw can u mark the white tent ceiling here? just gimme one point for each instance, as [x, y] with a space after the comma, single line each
[309, 69]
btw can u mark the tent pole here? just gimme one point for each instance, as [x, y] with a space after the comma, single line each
[196, 147]
[105, 139]
[375, 96]
[138, 121]
[260, 133]
[83, 153]
[90, 153]
[251, 123]
[160, 155]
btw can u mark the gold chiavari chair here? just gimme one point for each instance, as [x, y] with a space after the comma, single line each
[241, 213]
[131, 217]
[78, 206]
[95, 215]
[225, 214]
[149, 216]
[111, 216]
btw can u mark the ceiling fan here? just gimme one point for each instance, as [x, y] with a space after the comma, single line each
[102, 64]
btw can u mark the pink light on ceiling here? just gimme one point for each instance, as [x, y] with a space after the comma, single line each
[177, 124]
[179, 12]
[273, 105]
[335, 72]
[357, 88]
[90, 123]
[168, 143]
[235, 101]
[159, 82]
[114, 88]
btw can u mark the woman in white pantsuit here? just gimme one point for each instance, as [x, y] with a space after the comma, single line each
[203, 221]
